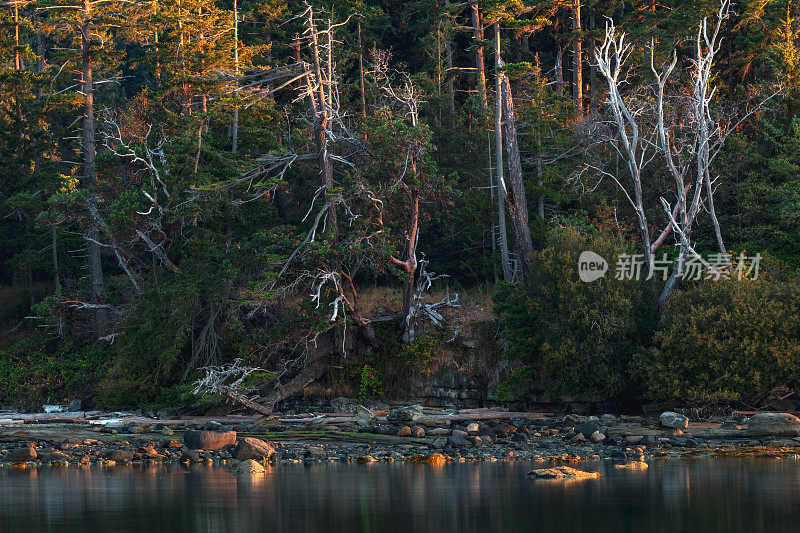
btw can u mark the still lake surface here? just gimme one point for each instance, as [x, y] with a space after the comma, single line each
[701, 495]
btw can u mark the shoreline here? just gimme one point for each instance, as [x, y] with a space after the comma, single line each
[408, 434]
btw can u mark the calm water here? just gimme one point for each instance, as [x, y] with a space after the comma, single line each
[703, 495]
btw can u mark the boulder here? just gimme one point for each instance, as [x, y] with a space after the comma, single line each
[252, 448]
[316, 452]
[773, 424]
[249, 467]
[608, 420]
[119, 456]
[562, 472]
[21, 455]
[586, 428]
[266, 421]
[597, 437]
[670, 419]
[75, 406]
[208, 440]
[404, 431]
[457, 441]
[406, 414]
[364, 416]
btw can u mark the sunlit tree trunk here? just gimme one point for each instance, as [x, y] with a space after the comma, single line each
[477, 35]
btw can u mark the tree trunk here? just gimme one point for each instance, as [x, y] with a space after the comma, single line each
[558, 71]
[235, 126]
[361, 72]
[451, 93]
[577, 62]
[505, 261]
[592, 67]
[99, 315]
[321, 138]
[313, 370]
[54, 250]
[515, 198]
[409, 329]
[477, 35]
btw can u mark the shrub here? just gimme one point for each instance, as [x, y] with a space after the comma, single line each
[724, 341]
[576, 337]
[32, 374]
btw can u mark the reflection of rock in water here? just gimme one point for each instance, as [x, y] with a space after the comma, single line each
[700, 495]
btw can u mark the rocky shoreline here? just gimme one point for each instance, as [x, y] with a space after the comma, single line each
[408, 434]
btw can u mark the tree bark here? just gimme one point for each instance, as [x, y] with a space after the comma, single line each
[515, 198]
[477, 35]
[312, 371]
[99, 315]
[559, 71]
[505, 261]
[577, 62]
[235, 126]
[410, 326]
[592, 67]
[361, 72]
[320, 135]
[54, 251]
[451, 93]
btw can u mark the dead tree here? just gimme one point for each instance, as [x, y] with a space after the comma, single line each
[515, 199]
[611, 58]
[505, 261]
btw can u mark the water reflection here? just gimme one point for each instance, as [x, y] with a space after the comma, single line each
[700, 495]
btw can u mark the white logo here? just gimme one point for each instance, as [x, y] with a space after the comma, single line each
[591, 266]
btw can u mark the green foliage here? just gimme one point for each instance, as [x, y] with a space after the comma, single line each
[577, 336]
[369, 382]
[33, 374]
[518, 386]
[724, 341]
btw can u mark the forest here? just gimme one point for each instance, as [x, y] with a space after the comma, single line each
[204, 199]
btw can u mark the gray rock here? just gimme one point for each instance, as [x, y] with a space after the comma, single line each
[119, 456]
[597, 437]
[608, 420]
[208, 440]
[773, 424]
[75, 406]
[316, 451]
[364, 416]
[457, 441]
[439, 443]
[670, 419]
[249, 466]
[252, 448]
[634, 439]
[406, 414]
[21, 455]
[587, 428]
[344, 405]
